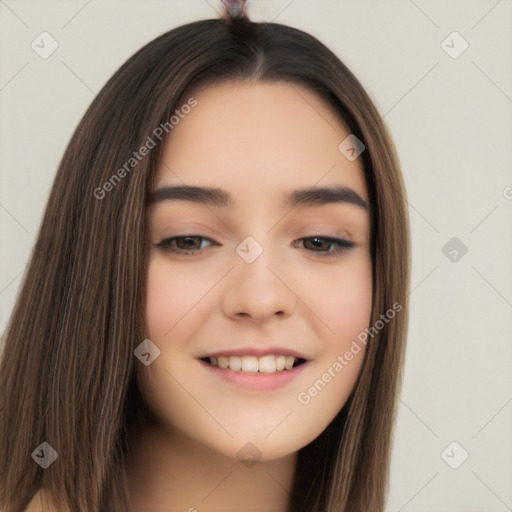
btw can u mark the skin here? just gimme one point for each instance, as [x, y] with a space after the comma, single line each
[255, 140]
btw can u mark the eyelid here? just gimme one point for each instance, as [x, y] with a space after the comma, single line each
[325, 230]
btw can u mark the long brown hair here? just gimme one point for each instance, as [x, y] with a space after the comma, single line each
[67, 373]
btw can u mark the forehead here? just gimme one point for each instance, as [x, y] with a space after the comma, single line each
[259, 137]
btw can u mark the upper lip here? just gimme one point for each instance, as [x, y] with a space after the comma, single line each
[257, 352]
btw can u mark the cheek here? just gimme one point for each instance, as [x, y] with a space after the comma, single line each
[337, 301]
[342, 298]
[162, 304]
[172, 296]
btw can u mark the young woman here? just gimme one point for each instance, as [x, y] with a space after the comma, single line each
[215, 311]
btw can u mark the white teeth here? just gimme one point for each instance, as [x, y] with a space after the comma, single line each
[235, 363]
[253, 364]
[267, 364]
[223, 362]
[250, 364]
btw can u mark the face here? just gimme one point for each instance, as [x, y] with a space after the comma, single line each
[256, 292]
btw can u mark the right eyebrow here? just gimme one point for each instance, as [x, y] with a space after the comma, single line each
[208, 195]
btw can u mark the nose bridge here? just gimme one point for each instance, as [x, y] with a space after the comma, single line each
[254, 288]
[254, 262]
[250, 250]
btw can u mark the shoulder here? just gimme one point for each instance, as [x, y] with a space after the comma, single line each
[40, 502]
[37, 502]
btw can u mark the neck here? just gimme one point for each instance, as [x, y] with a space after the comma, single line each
[168, 471]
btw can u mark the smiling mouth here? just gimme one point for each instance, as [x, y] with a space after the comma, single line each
[252, 364]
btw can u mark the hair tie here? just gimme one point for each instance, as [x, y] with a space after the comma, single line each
[233, 9]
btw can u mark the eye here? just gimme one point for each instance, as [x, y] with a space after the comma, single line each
[194, 244]
[189, 244]
[326, 246]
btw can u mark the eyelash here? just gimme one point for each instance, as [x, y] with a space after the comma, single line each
[341, 245]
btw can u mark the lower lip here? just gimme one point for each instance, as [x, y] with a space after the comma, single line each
[257, 381]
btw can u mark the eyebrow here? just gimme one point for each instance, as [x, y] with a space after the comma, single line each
[314, 196]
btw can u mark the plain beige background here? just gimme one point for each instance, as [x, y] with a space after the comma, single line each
[451, 118]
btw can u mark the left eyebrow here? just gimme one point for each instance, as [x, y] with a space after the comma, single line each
[314, 196]
[317, 196]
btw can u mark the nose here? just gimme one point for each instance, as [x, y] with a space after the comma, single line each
[257, 291]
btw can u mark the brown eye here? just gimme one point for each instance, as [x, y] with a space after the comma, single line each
[316, 243]
[326, 246]
[190, 244]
